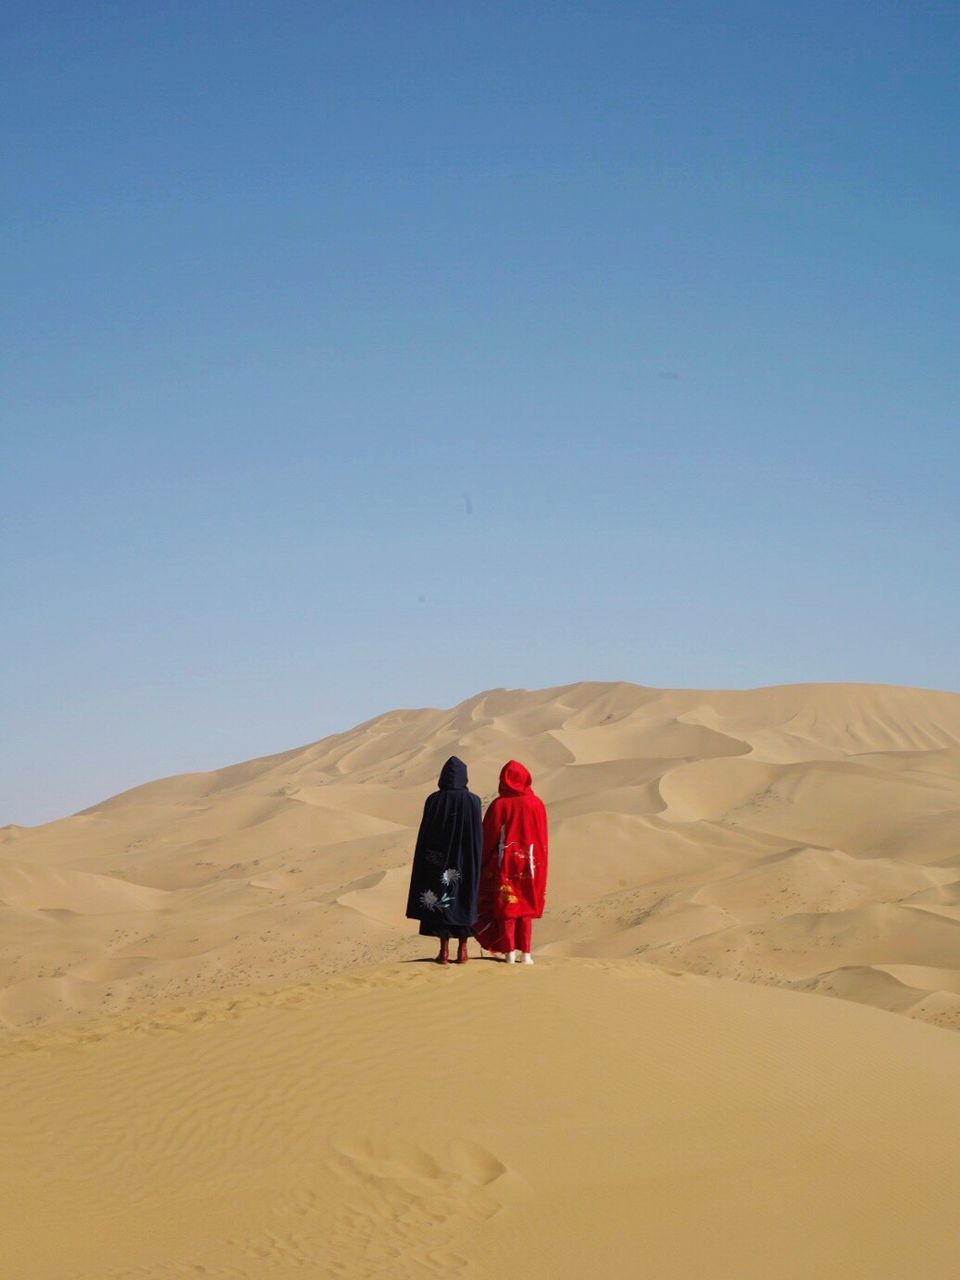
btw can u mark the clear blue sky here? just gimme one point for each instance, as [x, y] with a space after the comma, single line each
[364, 355]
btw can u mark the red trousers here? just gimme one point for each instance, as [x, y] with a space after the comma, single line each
[518, 933]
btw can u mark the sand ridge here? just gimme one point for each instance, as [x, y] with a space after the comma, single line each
[224, 1054]
[408, 1121]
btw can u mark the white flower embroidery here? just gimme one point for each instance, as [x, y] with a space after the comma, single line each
[450, 876]
[428, 898]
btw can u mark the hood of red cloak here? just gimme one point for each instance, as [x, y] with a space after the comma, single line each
[515, 779]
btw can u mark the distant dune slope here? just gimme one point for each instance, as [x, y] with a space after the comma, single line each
[806, 836]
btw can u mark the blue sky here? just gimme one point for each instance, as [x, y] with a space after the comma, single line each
[368, 355]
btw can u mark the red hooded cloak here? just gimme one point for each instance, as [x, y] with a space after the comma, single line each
[513, 879]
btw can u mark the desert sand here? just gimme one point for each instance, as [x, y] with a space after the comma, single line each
[222, 1056]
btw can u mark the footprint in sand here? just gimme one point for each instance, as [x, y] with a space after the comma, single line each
[401, 1208]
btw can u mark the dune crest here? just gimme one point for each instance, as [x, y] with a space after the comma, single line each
[355, 1128]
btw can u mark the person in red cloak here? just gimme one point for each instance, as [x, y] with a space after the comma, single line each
[513, 877]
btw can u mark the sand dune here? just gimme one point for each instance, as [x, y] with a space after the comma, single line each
[220, 1058]
[367, 1126]
[776, 835]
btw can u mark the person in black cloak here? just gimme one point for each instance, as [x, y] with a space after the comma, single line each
[446, 863]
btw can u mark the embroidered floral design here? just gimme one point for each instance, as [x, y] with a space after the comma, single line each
[436, 902]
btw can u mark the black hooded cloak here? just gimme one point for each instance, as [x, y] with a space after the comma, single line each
[446, 862]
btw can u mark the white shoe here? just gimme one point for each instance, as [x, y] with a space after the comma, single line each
[527, 958]
[512, 957]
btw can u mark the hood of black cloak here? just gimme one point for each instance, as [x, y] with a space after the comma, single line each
[453, 774]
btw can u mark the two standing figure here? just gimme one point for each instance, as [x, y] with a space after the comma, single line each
[487, 879]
